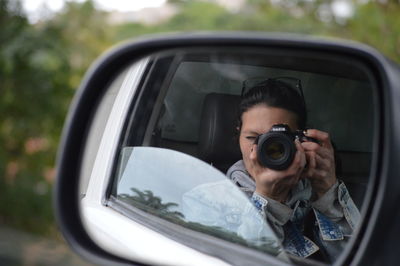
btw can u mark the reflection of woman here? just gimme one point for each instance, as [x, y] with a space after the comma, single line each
[308, 208]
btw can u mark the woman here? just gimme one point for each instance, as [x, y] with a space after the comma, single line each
[311, 211]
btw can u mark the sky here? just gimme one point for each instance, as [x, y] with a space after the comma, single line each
[33, 7]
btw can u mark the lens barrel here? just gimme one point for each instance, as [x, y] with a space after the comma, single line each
[276, 150]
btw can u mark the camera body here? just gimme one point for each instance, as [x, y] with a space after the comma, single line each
[276, 148]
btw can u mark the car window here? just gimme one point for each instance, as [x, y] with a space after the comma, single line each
[336, 103]
[341, 106]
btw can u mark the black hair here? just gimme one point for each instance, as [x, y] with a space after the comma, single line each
[275, 93]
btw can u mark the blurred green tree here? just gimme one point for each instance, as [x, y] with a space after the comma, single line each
[27, 115]
[373, 22]
[41, 65]
[376, 23]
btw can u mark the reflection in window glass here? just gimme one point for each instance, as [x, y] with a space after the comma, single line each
[202, 200]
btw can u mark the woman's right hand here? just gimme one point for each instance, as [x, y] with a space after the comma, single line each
[275, 184]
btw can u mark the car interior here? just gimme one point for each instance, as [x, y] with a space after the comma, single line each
[196, 97]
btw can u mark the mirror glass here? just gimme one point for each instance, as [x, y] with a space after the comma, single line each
[268, 149]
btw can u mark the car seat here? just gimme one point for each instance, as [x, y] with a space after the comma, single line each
[218, 136]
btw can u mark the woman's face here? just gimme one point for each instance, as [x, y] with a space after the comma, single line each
[258, 120]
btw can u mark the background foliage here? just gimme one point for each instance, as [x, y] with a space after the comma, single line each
[42, 64]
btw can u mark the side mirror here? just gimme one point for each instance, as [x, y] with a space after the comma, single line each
[152, 131]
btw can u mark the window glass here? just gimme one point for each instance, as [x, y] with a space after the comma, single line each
[163, 182]
[341, 106]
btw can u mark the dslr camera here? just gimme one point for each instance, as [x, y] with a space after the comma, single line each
[276, 148]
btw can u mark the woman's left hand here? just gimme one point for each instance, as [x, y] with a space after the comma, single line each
[320, 162]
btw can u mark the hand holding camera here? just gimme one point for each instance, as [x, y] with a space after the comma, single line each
[279, 152]
[321, 162]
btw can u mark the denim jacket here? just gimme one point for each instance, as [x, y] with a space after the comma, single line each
[334, 215]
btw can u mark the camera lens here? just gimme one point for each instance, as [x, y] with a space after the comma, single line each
[276, 150]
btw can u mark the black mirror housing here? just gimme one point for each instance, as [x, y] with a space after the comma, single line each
[375, 240]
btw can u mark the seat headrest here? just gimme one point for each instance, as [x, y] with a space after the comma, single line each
[218, 142]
